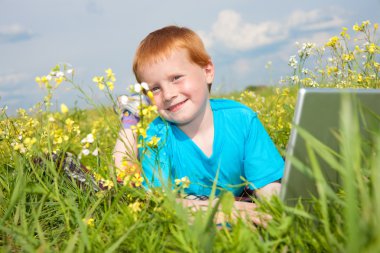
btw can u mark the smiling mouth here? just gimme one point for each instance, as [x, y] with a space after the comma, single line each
[176, 107]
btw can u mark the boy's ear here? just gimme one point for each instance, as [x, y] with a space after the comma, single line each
[209, 71]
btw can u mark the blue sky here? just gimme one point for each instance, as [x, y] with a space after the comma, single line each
[93, 35]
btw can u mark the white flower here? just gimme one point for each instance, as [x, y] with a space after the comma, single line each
[137, 88]
[59, 74]
[95, 152]
[145, 86]
[85, 151]
[69, 71]
[293, 62]
[89, 139]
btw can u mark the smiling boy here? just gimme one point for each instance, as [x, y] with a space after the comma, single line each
[200, 137]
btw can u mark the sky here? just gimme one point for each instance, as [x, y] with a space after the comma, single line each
[241, 36]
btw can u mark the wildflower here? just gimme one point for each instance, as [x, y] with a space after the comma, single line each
[99, 80]
[348, 57]
[89, 222]
[153, 143]
[135, 207]
[145, 86]
[110, 85]
[343, 33]
[333, 42]
[371, 48]
[375, 26]
[150, 95]
[184, 182]
[85, 152]
[108, 184]
[137, 88]
[88, 139]
[43, 80]
[110, 75]
[356, 28]
[64, 109]
[305, 71]
[366, 23]
[137, 180]
[293, 62]
[95, 152]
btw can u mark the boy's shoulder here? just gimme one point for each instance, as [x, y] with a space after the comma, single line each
[220, 104]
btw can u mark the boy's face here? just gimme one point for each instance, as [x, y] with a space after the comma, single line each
[179, 87]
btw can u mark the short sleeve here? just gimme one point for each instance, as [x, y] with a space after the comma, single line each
[263, 163]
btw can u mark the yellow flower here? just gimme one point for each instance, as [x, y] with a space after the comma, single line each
[135, 207]
[371, 48]
[59, 80]
[185, 182]
[365, 23]
[153, 143]
[89, 222]
[356, 28]
[333, 42]
[360, 78]
[110, 75]
[137, 179]
[108, 183]
[150, 95]
[43, 80]
[376, 26]
[64, 108]
[110, 85]
[100, 81]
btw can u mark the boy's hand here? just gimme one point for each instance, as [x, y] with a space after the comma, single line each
[129, 107]
[246, 211]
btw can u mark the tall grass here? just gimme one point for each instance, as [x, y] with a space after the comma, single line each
[43, 210]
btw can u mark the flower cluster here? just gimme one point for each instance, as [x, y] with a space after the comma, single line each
[105, 81]
[340, 62]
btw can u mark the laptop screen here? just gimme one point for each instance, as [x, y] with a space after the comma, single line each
[318, 113]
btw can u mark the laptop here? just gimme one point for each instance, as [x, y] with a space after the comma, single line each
[318, 112]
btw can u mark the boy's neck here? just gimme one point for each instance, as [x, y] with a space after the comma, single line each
[202, 124]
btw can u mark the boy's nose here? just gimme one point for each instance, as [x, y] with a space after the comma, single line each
[169, 93]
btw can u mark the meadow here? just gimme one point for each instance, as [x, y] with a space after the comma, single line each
[43, 210]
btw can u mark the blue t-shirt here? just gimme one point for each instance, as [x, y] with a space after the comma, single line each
[242, 152]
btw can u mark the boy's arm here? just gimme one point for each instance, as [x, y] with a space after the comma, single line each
[269, 190]
[126, 144]
[125, 147]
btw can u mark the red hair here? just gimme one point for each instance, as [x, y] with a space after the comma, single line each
[160, 44]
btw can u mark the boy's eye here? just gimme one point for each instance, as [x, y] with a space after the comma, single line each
[175, 78]
[155, 89]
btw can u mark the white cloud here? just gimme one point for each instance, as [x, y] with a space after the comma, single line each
[230, 30]
[316, 19]
[13, 78]
[14, 33]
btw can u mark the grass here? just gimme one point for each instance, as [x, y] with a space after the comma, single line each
[41, 210]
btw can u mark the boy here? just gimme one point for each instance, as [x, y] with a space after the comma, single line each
[200, 137]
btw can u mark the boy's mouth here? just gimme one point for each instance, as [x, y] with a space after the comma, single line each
[176, 107]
